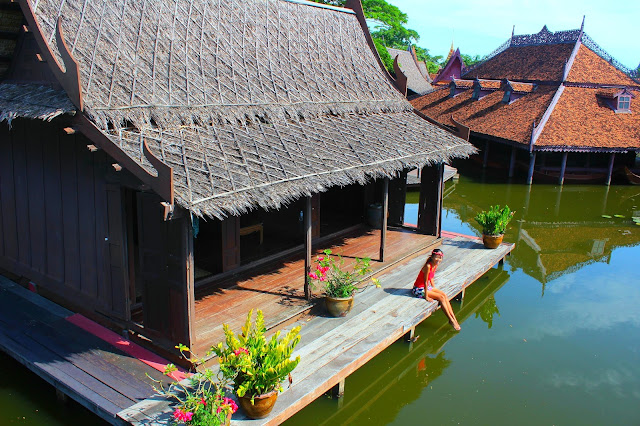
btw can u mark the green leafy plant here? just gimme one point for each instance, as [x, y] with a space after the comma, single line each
[337, 281]
[494, 221]
[201, 399]
[256, 365]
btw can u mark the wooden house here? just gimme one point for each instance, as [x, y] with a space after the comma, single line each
[152, 148]
[555, 103]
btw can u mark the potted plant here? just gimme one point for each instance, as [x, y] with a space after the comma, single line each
[494, 222]
[256, 365]
[339, 285]
[200, 399]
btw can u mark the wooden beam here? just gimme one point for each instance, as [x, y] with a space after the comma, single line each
[384, 217]
[610, 171]
[512, 163]
[563, 168]
[532, 163]
[307, 247]
[430, 203]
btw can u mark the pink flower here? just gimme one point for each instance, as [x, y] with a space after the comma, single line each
[241, 351]
[203, 402]
[323, 269]
[323, 278]
[231, 403]
[183, 416]
[320, 258]
[313, 275]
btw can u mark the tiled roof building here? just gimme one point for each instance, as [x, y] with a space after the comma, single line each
[546, 95]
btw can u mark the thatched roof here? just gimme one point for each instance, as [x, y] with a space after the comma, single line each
[416, 81]
[252, 102]
[32, 101]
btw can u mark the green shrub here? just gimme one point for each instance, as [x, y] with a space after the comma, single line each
[494, 221]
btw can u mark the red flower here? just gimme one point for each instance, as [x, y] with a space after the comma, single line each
[239, 351]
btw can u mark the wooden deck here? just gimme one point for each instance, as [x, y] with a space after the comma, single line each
[36, 333]
[332, 348]
[277, 288]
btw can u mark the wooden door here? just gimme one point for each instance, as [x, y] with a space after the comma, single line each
[118, 273]
[315, 216]
[164, 270]
[230, 243]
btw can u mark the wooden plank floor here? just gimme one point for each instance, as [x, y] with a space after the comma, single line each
[449, 173]
[35, 332]
[332, 348]
[278, 287]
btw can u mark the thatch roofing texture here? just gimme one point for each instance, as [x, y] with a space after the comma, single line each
[221, 170]
[32, 101]
[254, 102]
[179, 62]
[416, 81]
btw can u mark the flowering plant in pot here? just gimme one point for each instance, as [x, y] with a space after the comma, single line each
[257, 365]
[494, 222]
[200, 399]
[340, 284]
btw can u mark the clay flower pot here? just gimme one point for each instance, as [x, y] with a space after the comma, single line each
[262, 404]
[492, 241]
[338, 306]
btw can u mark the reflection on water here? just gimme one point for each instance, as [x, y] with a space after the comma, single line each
[552, 339]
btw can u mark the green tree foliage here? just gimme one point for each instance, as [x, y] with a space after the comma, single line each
[470, 60]
[387, 61]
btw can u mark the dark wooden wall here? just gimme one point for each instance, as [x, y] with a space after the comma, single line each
[60, 222]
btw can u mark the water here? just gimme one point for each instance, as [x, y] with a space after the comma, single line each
[553, 338]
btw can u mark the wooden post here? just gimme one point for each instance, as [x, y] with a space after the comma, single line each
[430, 204]
[532, 163]
[556, 210]
[385, 211]
[610, 171]
[485, 159]
[409, 335]
[563, 168]
[307, 247]
[512, 163]
[338, 390]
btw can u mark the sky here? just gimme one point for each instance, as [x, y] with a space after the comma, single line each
[479, 27]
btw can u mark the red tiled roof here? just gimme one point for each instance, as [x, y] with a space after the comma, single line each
[522, 87]
[490, 84]
[539, 62]
[488, 115]
[588, 67]
[582, 119]
[462, 84]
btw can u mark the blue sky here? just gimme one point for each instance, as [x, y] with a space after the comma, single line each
[478, 27]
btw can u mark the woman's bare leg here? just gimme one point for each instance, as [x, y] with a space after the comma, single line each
[446, 306]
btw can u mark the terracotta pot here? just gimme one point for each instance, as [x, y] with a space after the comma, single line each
[338, 306]
[262, 404]
[227, 422]
[492, 241]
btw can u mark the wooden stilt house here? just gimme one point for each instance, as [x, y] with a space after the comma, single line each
[150, 148]
[554, 104]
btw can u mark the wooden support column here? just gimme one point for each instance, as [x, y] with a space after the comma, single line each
[563, 168]
[610, 171]
[430, 204]
[338, 390]
[307, 247]
[384, 216]
[485, 159]
[532, 164]
[512, 163]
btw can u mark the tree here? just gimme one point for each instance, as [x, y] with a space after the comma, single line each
[470, 60]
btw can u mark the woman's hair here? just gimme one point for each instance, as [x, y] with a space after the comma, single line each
[436, 253]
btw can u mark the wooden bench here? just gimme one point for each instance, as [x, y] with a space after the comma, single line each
[246, 230]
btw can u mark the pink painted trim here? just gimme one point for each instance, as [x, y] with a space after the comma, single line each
[126, 346]
[410, 225]
[449, 234]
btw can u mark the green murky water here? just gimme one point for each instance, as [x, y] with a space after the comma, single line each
[553, 338]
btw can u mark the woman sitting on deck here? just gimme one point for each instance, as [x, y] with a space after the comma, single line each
[424, 287]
